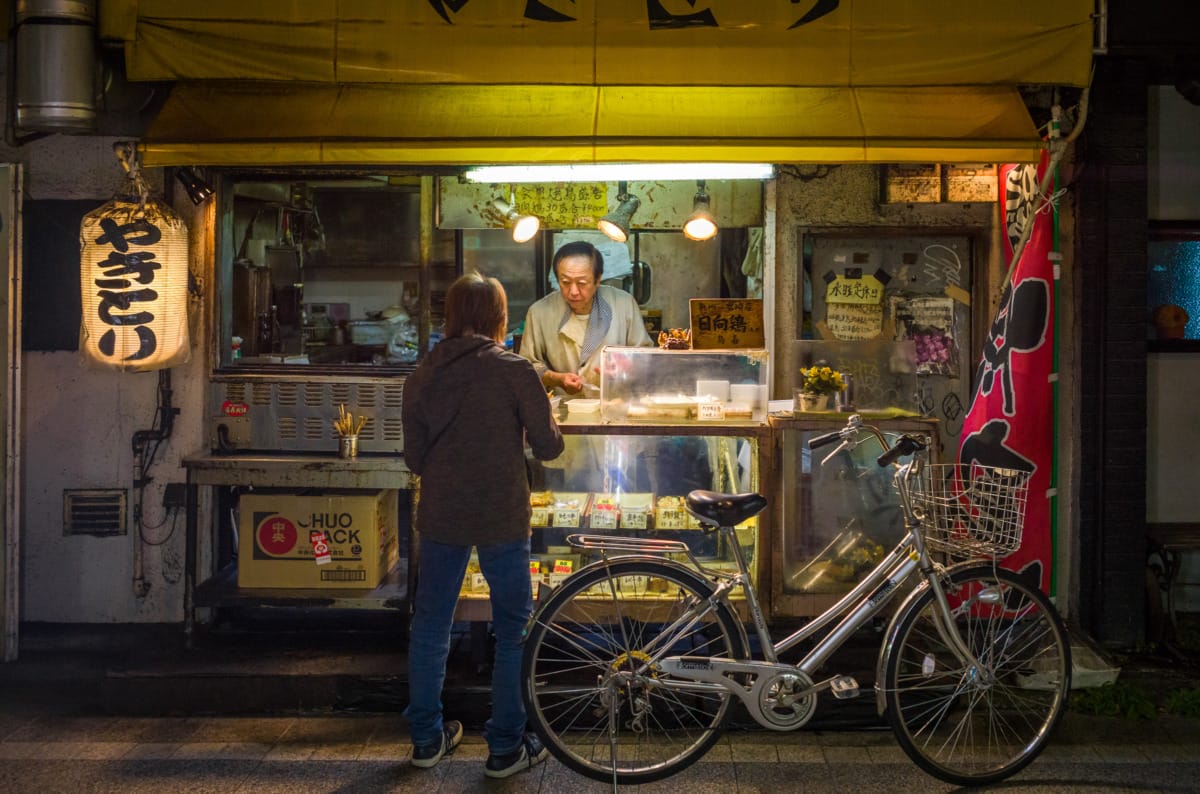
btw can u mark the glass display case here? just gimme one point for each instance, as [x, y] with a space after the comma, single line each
[632, 481]
[645, 384]
[880, 374]
[839, 511]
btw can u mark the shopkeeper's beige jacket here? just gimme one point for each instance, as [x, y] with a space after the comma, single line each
[614, 320]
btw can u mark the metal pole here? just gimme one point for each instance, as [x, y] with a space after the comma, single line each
[424, 312]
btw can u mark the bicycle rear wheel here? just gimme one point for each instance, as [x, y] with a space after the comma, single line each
[591, 690]
[976, 725]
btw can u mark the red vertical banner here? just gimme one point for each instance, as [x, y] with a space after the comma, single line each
[1011, 419]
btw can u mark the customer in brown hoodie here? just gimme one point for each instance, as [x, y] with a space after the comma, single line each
[469, 410]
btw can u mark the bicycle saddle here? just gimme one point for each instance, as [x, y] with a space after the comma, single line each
[725, 509]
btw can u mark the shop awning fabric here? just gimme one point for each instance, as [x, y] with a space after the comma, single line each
[469, 81]
[207, 123]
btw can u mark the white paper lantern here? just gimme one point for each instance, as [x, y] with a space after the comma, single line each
[134, 280]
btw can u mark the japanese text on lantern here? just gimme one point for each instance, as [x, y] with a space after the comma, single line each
[122, 301]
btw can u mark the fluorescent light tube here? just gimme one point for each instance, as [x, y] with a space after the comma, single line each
[612, 172]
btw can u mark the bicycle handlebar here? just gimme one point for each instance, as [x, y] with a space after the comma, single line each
[816, 442]
[906, 445]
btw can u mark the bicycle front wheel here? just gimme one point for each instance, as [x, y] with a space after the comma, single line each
[593, 690]
[974, 725]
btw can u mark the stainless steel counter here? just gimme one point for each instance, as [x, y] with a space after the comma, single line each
[267, 470]
[299, 471]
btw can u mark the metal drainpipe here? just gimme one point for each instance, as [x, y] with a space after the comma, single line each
[165, 415]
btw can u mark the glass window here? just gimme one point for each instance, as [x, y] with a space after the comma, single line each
[321, 270]
[1173, 283]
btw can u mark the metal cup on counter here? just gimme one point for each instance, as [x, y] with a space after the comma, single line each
[348, 446]
[845, 398]
[347, 427]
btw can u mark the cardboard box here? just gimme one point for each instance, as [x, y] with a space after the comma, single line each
[276, 548]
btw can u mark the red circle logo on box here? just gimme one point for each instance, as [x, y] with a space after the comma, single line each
[277, 535]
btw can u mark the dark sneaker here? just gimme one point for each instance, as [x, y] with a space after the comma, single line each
[426, 757]
[530, 753]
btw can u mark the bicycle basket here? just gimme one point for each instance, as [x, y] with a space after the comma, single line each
[971, 510]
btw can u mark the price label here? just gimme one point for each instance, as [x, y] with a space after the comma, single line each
[604, 519]
[320, 547]
[539, 517]
[634, 585]
[557, 578]
[633, 519]
[566, 517]
[710, 412]
[479, 583]
[671, 518]
[563, 566]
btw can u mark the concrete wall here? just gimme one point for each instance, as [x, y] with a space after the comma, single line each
[78, 427]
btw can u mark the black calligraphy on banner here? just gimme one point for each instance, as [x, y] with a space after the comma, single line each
[658, 15]
[1021, 326]
[121, 305]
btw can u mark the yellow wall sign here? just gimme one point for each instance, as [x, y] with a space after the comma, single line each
[854, 307]
[563, 205]
[726, 323]
[864, 289]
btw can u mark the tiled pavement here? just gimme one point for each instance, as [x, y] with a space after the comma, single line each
[294, 754]
[59, 732]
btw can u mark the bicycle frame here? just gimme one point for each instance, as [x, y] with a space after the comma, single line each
[855, 608]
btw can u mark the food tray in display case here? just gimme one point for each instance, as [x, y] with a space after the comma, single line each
[557, 509]
[620, 511]
[645, 384]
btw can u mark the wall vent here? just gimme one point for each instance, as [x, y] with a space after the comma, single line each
[93, 512]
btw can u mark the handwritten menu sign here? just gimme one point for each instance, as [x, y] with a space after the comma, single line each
[852, 321]
[563, 205]
[853, 305]
[726, 323]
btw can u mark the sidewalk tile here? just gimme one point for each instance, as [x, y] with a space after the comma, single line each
[846, 755]
[152, 751]
[291, 752]
[200, 750]
[798, 753]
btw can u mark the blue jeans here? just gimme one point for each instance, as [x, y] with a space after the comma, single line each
[440, 574]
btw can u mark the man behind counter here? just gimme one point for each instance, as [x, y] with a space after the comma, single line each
[566, 330]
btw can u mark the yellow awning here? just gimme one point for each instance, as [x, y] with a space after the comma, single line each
[277, 123]
[607, 42]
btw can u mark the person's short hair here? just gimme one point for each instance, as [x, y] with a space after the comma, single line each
[476, 305]
[580, 248]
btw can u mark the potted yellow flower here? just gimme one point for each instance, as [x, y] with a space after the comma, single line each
[817, 384]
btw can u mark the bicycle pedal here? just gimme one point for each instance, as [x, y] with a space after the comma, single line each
[844, 687]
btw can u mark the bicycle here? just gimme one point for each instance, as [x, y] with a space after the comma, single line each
[973, 673]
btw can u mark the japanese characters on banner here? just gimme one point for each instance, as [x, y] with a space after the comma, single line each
[1010, 421]
[134, 283]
